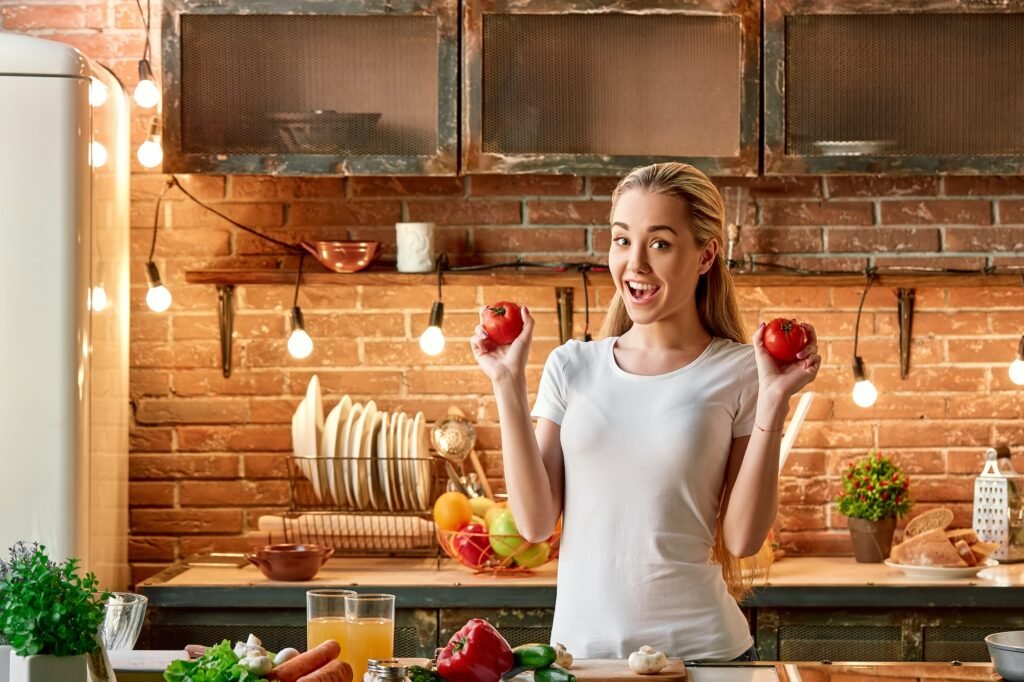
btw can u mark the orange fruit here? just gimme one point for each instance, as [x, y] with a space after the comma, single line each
[452, 511]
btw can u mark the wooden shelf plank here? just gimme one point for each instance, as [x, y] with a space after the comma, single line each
[548, 278]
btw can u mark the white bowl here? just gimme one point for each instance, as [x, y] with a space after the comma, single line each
[1006, 649]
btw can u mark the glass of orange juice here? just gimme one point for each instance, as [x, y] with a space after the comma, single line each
[371, 629]
[325, 619]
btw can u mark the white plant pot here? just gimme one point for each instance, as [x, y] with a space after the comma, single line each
[5, 663]
[49, 669]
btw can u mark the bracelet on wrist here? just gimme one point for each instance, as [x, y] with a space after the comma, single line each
[761, 428]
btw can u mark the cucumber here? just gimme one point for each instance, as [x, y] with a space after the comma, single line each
[530, 657]
[553, 674]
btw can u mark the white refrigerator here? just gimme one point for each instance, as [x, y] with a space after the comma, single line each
[64, 287]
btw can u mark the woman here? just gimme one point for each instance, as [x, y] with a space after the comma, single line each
[659, 443]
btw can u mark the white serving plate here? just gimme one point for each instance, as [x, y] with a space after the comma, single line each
[358, 456]
[368, 464]
[941, 572]
[381, 461]
[345, 447]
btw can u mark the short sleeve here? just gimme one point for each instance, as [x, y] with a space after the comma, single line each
[551, 396]
[743, 422]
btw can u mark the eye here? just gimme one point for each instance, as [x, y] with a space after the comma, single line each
[660, 244]
[620, 241]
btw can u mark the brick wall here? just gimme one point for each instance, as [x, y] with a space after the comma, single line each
[208, 453]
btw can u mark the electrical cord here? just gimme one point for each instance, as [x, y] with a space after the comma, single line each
[870, 274]
[156, 219]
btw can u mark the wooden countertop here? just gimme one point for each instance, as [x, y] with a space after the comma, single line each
[792, 581]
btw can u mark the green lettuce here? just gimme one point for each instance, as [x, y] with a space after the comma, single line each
[218, 664]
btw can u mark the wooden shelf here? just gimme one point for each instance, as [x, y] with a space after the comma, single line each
[547, 278]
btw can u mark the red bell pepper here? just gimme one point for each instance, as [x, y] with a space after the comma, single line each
[476, 653]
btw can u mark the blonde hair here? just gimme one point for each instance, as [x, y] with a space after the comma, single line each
[717, 306]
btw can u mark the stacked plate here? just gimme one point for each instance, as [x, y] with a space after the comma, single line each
[362, 458]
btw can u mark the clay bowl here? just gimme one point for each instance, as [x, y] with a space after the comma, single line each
[343, 256]
[290, 562]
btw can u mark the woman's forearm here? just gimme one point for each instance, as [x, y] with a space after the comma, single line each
[534, 502]
[753, 499]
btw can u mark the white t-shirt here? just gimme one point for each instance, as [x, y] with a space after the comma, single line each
[645, 457]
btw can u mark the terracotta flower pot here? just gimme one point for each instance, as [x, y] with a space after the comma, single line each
[872, 540]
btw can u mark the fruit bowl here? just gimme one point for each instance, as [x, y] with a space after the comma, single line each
[484, 552]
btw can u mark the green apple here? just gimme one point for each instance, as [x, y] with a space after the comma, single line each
[493, 512]
[534, 555]
[481, 505]
[504, 535]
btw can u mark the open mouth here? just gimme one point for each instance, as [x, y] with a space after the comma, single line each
[642, 292]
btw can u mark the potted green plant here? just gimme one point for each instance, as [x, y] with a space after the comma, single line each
[875, 494]
[49, 614]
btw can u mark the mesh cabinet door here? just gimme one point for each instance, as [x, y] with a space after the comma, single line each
[862, 88]
[335, 87]
[571, 88]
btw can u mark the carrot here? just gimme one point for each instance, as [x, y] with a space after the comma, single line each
[305, 663]
[335, 671]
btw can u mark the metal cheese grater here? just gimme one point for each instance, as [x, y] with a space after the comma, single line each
[999, 505]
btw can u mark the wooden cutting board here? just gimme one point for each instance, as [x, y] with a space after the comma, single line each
[612, 670]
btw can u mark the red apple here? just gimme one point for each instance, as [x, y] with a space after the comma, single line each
[471, 543]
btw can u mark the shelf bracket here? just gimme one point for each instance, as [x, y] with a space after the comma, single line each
[226, 318]
[905, 310]
[564, 305]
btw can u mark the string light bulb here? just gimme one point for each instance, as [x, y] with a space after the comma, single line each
[864, 392]
[97, 154]
[98, 92]
[300, 344]
[432, 338]
[1017, 366]
[150, 153]
[147, 94]
[158, 298]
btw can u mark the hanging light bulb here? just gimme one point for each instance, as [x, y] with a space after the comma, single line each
[147, 94]
[150, 152]
[1017, 366]
[864, 392]
[97, 92]
[300, 344]
[97, 154]
[432, 338]
[98, 298]
[158, 298]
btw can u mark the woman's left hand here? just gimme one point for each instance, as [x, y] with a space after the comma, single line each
[786, 379]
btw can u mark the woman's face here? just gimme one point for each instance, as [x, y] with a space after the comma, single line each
[653, 258]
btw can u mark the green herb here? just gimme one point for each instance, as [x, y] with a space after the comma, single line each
[46, 607]
[874, 488]
[218, 664]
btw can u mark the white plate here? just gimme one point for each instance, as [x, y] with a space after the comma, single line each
[423, 478]
[408, 477]
[333, 426]
[381, 461]
[369, 463]
[315, 400]
[360, 432]
[941, 572]
[344, 448]
[306, 447]
[397, 452]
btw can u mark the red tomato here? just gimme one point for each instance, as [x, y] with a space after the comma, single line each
[503, 321]
[784, 339]
[472, 544]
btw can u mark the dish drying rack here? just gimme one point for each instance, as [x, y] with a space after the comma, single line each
[358, 530]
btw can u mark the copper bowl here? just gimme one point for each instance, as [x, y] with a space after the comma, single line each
[290, 562]
[343, 256]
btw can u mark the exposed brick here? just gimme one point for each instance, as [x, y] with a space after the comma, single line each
[816, 543]
[945, 489]
[326, 351]
[361, 212]
[882, 239]
[266, 188]
[525, 185]
[177, 466]
[150, 494]
[185, 521]
[987, 351]
[526, 240]
[148, 382]
[986, 298]
[603, 186]
[983, 185]
[890, 406]
[465, 212]
[956, 262]
[931, 433]
[159, 411]
[420, 298]
[356, 325]
[357, 381]
[805, 463]
[272, 410]
[270, 465]
[193, 545]
[937, 212]
[800, 517]
[204, 327]
[142, 548]
[881, 185]
[202, 382]
[233, 438]
[30, 17]
[784, 212]
[150, 440]
[404, 186]
[780, 240]
[790, 186]
[1005, 323]
[233, 493]
[141, 572]
[251, 214]
[984, 239]
[1011, 212]
[938, 323]
[547, 212]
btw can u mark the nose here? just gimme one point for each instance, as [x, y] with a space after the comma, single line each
[637, 259]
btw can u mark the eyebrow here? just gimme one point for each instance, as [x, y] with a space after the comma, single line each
[652, 228]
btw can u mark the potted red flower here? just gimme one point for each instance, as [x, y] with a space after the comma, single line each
[875, 494]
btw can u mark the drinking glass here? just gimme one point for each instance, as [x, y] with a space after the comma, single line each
[371, 629]
[122, 620]
[325, 619]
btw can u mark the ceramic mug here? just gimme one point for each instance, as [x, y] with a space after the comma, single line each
[415, 246]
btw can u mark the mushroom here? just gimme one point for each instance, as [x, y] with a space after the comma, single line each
[564, 658]
[647, 661]
[285, 655]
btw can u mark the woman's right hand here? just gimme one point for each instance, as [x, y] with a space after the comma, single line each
[501, 363]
